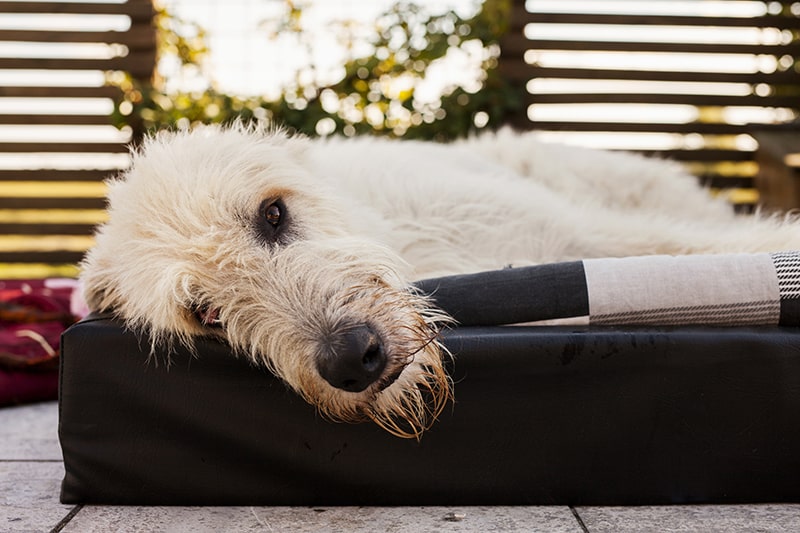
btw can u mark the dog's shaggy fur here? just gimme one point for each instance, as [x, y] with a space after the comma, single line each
[299, 252]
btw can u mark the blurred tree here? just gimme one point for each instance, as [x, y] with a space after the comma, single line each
[377, 93]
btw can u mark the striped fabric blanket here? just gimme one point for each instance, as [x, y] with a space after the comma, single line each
[720, 290]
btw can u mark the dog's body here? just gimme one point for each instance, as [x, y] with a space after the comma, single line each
[300, 253]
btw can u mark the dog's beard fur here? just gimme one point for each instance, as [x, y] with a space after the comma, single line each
[307, 293]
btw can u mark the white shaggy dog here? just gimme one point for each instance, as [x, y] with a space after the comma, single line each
[300, 252]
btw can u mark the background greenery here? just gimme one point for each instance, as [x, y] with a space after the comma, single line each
[407, 40]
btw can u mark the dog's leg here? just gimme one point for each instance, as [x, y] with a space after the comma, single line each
[614, 233]
[611, 179]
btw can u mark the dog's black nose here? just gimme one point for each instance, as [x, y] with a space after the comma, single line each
[354, 360]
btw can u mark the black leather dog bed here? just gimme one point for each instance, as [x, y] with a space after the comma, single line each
[571, 414]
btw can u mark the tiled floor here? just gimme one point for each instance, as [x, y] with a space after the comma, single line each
[31, 471]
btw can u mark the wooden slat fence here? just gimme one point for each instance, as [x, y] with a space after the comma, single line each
[51, 194]
[57, 143]
[737, 68]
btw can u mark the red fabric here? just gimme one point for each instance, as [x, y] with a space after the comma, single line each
[33, 314]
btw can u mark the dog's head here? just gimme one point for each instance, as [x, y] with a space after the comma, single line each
[225, 232]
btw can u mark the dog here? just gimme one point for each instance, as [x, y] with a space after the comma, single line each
[300, 253]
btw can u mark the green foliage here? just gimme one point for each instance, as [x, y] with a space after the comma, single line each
[377, 93]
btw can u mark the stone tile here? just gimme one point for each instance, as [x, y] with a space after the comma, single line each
[693, 518]
[96, 519]
[29, 496]
[30, 432]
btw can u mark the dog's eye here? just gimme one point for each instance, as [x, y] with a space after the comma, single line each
[273, 214]
[271, 221]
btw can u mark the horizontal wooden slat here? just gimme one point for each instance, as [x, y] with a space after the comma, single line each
[515, 69]
[55, 175]
[60, 92]
[709, 100]
[701, 155]
[58, 189]
[138, 63]
[519, 43]
[70, 120]
[66, 147]
[521, 16]
[138, 10]
[26, 270]
[637, 127]
[64, 256]
[137, 37]
[46, 229]
[727, 182]
[51, 203]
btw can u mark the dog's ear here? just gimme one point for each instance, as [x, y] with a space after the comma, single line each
[298, 146]
[95, 278]
[94, 299]
[98, 298]
[295, 143]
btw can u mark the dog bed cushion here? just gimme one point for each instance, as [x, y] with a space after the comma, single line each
[579, 414]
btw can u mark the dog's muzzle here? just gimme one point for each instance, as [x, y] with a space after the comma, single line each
[353, 360]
